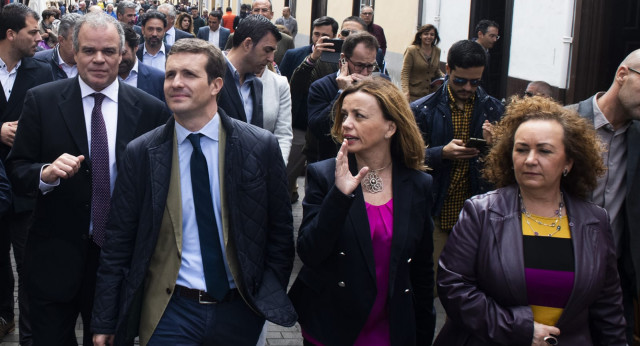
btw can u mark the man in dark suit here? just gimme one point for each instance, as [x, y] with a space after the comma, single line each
[197, 21]
[171, 33]
[126, 15]
[71, 134]
[214, 33]
[212, 190]
[131, 71]
[19, 72]
[254, 44]
[61, 58]
[616, 116]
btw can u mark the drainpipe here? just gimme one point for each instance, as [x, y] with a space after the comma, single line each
[567, 39]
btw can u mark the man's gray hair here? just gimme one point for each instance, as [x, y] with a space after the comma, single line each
[67, 23]
[270, 4]
[122, 5]
[97, 20]
[171, 11]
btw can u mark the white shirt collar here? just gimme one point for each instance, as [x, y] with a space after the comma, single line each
[210, 130]
[4, 66]
[144, 51]
[111, 91]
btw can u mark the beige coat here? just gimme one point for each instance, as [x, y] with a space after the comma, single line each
[417, 72]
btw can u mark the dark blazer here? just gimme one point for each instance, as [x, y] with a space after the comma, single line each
[52, 123]
[180, 34]
[231, 101]
[631, 236]
[292, 59]
[5, 191]
[50, 56]
[336, 287]
[259, 219]
[32, 72]
[482, 286]
[140, 51]
[151, 81]
[203, 33]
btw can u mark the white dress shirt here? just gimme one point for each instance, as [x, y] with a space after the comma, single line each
[132, 78]
[214, 37]
[8, 78]
[170, 36]
[70, 70]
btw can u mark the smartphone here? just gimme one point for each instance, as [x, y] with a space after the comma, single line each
[477, 143]
[333, 57]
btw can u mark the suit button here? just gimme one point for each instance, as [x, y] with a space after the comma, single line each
[168, 291]
[407, 291]
[342, 253]
[409, 260]
[341, 284]
[87, 206]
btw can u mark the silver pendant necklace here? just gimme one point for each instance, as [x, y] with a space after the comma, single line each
[372, 182]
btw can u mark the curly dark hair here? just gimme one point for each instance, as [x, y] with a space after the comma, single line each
[581, 143]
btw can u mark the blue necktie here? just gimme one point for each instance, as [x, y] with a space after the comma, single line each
[215, 275]
[100, 175]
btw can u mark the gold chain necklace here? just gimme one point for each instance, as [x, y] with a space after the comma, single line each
[555, 223]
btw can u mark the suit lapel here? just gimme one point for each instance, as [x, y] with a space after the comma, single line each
[72, 112]
[233, 97]
[256, 95]
[633, 153]
[128, 115]
[360, 223]
[402, 202]
[585, 245]
[507, 230]
[25, 80]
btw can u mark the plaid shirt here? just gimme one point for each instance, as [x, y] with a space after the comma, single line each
[459, 188]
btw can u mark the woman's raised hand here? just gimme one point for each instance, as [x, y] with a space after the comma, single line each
[345, 182]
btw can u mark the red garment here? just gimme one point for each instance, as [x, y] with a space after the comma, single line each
[227, 20]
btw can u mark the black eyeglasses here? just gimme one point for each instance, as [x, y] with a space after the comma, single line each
[634, 70]
[346, 32]
[463, 81]
[528, 94]
[358, 67]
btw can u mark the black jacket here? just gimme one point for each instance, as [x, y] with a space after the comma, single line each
[336, 287]
[434, 120]
[260, 221]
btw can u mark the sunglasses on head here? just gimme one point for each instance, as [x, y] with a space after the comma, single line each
[463, 81]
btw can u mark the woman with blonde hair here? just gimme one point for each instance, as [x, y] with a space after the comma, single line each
[366, 234]
[421, 64]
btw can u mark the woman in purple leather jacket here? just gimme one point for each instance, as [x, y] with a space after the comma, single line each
[533, 263]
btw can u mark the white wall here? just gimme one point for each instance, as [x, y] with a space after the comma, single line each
[454, 22]
[540, 43]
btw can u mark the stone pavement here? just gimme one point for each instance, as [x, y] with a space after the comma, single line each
[276, 335]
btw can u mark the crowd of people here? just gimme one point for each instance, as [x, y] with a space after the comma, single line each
[149, 155]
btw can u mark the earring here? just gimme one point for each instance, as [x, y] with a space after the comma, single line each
[565, 172]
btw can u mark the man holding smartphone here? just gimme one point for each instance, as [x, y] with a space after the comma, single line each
[357, 62]
[459, 110]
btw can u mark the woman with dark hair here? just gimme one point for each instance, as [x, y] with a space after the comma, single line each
[184, 22]
[533, 263]
[49, 38]
[366, 234]
[421, 64]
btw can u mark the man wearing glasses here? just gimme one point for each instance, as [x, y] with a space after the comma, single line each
[357, 62]
[366, 13]
[458, 111]
[487, 36]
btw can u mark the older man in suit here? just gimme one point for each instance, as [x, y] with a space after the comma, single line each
[63, 65]
[172, 34]
[214, 33]
[71, 134]
[200, 238]
[146, 78]
[19, 72]
[616, 116]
